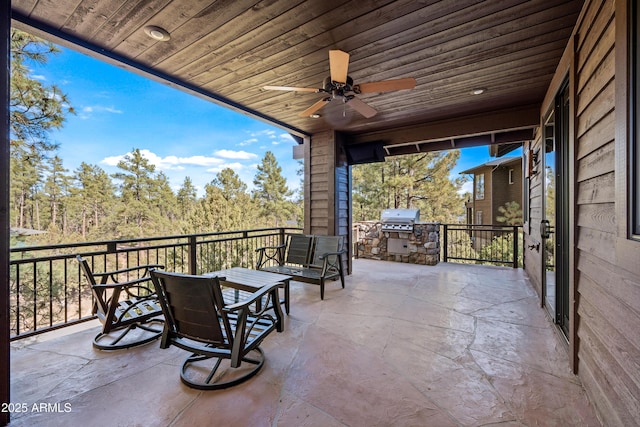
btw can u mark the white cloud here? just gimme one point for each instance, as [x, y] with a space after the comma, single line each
[269, 133]
[235, 166]
[238, 155]
[248, 142]
[169, 162]
[38, 77]
[88, 111]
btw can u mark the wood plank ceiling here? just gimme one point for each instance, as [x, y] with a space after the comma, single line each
[229, 49]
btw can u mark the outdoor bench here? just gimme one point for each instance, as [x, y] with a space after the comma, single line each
[307, 258]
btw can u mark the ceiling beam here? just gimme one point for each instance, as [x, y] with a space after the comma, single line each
[495, 122]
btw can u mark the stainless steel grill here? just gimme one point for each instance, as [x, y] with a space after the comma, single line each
[399, 219]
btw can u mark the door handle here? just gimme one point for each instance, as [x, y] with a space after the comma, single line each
[545, 229]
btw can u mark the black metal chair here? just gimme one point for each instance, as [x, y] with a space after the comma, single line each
[199, 321]
[128, 310]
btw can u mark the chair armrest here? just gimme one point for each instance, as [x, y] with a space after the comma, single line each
[253, 298]
[324, 255]
[127, 284]
[128, 270]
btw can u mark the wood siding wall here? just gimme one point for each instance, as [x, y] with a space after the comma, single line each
[605, 342]
[328, 189]
[502, 191]
[608, 296]
[533, 241]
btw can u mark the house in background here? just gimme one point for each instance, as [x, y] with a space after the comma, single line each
[494, 184]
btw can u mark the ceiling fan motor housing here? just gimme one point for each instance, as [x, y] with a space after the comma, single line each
[329, 86]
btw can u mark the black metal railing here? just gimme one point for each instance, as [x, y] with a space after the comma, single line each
[482, 244]
[47, 290]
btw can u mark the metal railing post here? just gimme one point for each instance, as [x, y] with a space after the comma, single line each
[445, 250]
[193, 265]
[515, 246]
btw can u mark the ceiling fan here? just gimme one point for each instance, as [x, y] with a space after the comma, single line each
[340, 86]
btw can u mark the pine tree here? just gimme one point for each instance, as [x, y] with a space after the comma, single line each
[56, 189]
[271, 192]
[94, 193]
[187, 197]
[35, 110]
[136, 183]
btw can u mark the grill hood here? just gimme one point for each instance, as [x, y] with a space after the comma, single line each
[399, 219]
[400, 216]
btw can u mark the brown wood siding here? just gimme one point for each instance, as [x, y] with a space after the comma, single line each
[484, 204]
[502, 191]
[319, 185]
[608, 296]
[328, 189]
[533, 241]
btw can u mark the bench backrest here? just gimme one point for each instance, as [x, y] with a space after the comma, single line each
[298, 249]
[323, 245]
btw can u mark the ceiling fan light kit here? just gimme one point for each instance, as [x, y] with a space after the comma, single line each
[339, 85]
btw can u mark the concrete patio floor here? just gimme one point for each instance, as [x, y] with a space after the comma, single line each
[402, 345]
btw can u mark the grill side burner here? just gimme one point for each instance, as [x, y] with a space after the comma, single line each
[399, 219]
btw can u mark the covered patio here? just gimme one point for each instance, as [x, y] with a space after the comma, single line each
[402, 345]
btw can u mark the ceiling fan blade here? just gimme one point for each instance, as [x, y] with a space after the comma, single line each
[339, 65]
[315, 107]
[362, 107]
[297, 89]
[386, 85]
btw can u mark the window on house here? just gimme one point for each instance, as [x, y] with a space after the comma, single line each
[478, 217]
[480, 186]
[511, 179]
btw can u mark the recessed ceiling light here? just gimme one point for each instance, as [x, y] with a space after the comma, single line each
[315, 116]
[157, 33]
[478, 91]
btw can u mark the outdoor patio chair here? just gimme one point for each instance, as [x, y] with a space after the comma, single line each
[199, 321]
[128, 310]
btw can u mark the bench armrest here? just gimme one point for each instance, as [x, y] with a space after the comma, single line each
[263, 248]
[270, 253]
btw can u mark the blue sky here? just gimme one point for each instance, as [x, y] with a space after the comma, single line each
[182, 135]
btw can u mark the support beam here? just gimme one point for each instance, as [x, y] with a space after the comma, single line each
[5, 61]
[327, 189]
[495, 122]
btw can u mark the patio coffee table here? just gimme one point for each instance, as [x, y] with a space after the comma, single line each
[249, 280]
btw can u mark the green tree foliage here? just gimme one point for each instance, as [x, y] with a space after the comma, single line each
[271, 192]
[510, 214]
[414, 181]
[500, 248]
[136, 180]
[35, 110]
[94, 196]
[187, 197]
[225, 206]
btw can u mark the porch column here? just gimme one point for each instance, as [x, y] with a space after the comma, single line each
[327, 189]
[5, 28]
